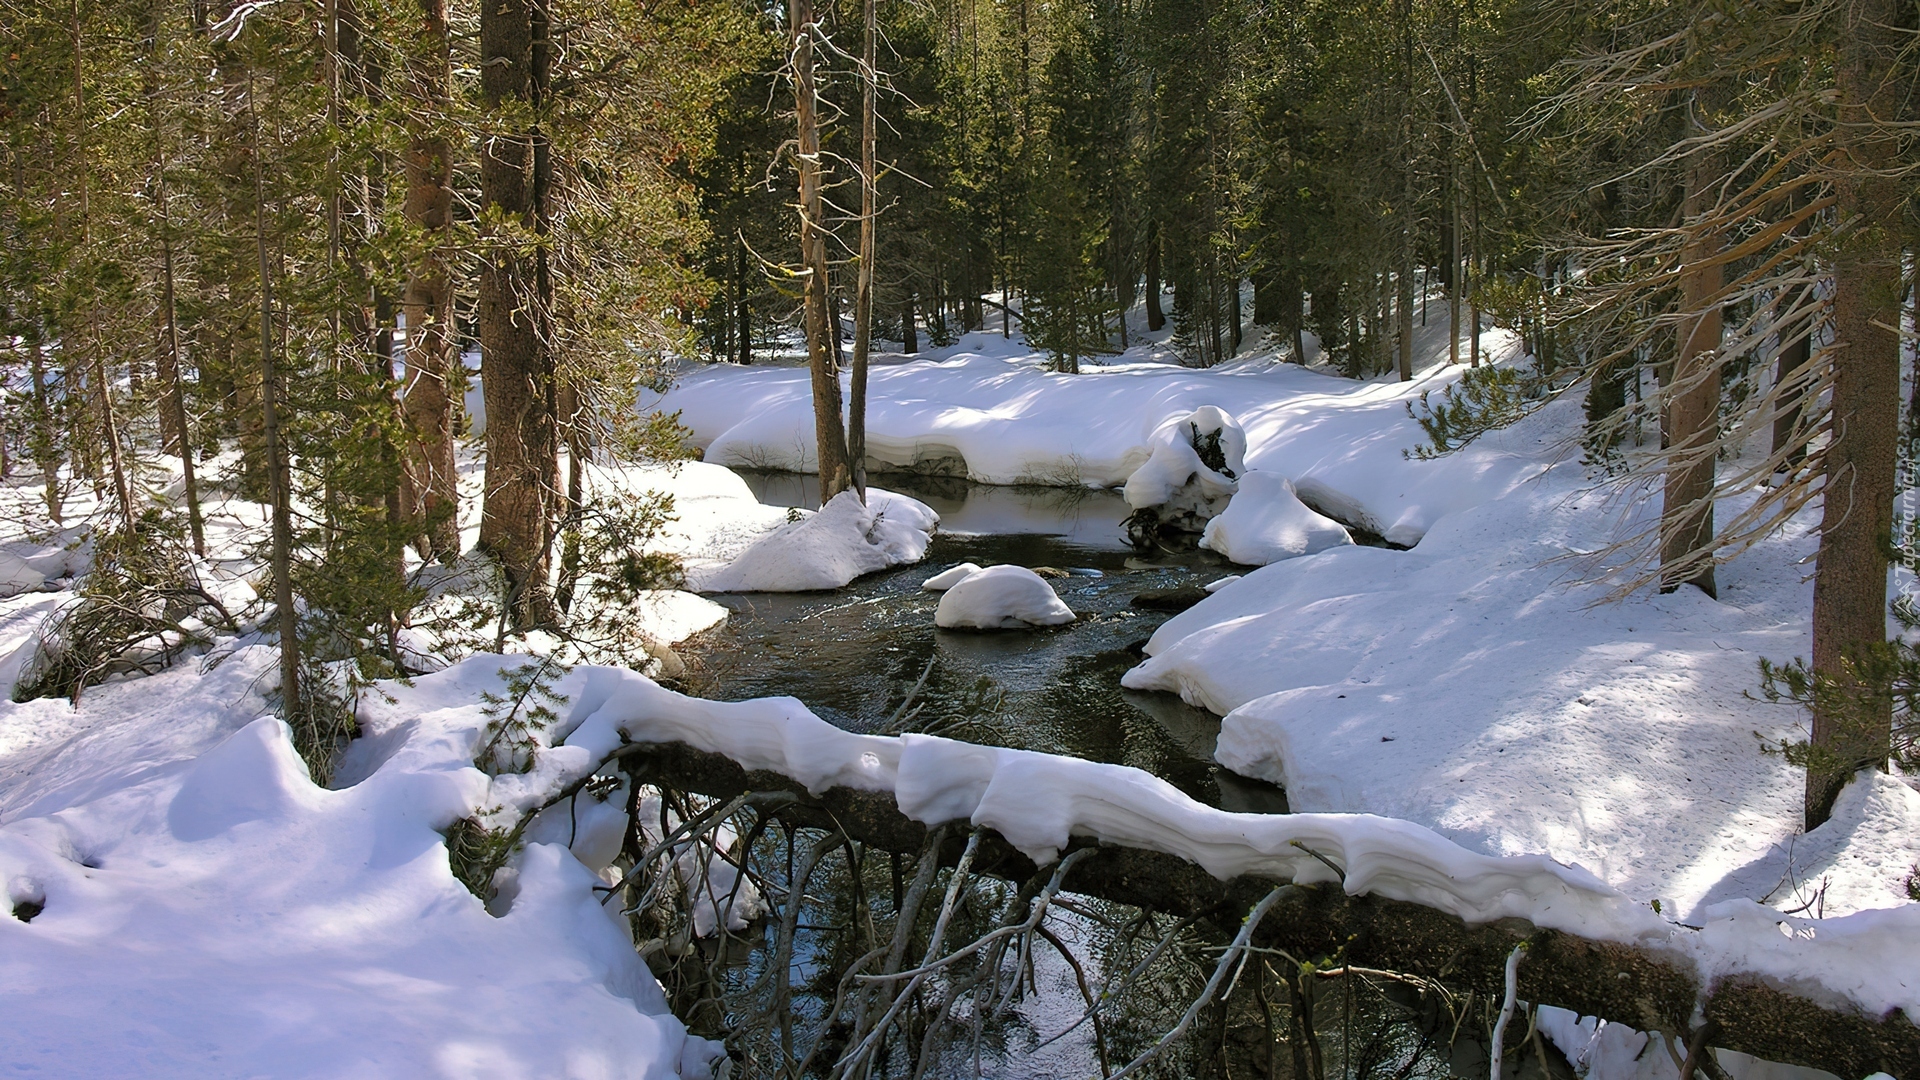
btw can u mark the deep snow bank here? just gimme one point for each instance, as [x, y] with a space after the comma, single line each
[1469, 684]
[1181, 488]
[1266, 522]
[208, 910]
[989, 410]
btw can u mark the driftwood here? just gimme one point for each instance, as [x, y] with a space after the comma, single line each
[1642, 988]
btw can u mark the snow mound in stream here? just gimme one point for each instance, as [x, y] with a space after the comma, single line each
[947, 579]
[1176, 481]
[1001, 598]
[1266, 522]
[825, 550]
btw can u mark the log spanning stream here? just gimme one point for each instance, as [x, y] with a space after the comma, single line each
[853, 654]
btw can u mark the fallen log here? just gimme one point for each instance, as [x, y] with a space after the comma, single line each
[1649, 989]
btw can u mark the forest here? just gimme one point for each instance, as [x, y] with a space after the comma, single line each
[1422, 495]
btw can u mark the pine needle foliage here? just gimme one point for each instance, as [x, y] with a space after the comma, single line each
[525, 708]
[1485, 399]
[1870, 680]
[138, 609]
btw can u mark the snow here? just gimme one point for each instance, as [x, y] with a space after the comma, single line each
[16, 576]
[1266, 522]
[947, 579]
[1001, 598]
[989, 410]
[209, 909]
[716, 517]
[1474, 685]
[1038, 801]
[1175, 482]
[1478, 684]
[825, 550]
[1467, 724]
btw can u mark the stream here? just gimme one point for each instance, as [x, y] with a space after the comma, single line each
[852, 655]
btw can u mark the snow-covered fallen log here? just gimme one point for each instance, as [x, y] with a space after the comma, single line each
[1834, 993]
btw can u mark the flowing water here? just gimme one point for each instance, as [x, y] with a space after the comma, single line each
[853, 654]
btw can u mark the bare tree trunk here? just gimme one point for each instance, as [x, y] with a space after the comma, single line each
[173, 394]
[1692, 422]
[176, 434]
[909, 336]
[514, 511]
[863, 287]
[279, 471]
[103, 390]
[46, 446]
[1796, 349]
[428, 300]
[1455, 277]
[1850, 582]
[1407, 203]
[742, 311]
[1156, 318]
[830, 436]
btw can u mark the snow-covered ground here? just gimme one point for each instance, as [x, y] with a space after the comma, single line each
[1473, 683]
[200, 907]
[207, 909]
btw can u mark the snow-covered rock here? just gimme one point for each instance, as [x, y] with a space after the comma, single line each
[1266, 522]
[1001, 598]
[947, 579]
[825, 550]
[16, 576]
[1176, 477]
[1188, 478]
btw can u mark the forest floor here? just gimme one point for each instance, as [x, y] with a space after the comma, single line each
[199, 905]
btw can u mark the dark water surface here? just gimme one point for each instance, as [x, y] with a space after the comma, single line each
[853, 654]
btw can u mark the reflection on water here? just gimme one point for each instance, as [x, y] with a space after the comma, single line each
[1083, 517]
[852, 654]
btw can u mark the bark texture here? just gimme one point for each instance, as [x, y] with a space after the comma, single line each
[514, 382]
[1856, 525]
[1692, 426]
[823, 331]
[431, 477]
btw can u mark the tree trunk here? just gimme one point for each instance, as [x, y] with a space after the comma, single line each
[514, 513]
[279, 470]
[1692, 422]
[1156, 318]
[176, 434]
[863, 287]
[830, 436]
[102, 387]
[1850, 581]
[428, 299]
[1652, 984]
[1796, 349]
[742, 312]
[1455, 279]
[1406, 203]
[909, 336]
